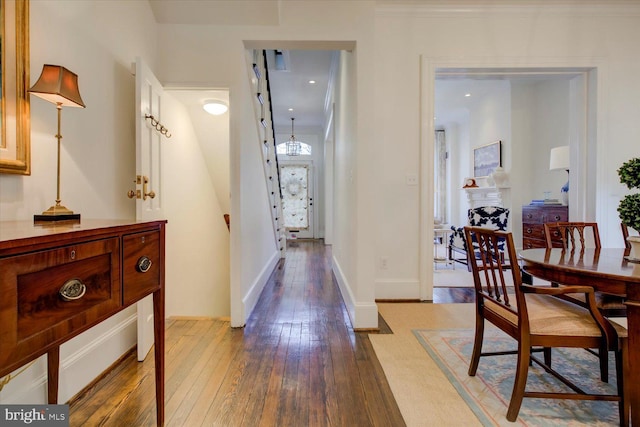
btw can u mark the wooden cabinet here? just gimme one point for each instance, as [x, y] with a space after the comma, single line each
[58, 280]
[533, 219]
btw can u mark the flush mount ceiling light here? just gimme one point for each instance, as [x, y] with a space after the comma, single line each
[215, 107]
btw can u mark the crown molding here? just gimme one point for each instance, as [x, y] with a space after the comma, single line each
[505, 7]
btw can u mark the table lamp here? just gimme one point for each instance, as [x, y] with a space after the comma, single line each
[60, 87]
[559, 160]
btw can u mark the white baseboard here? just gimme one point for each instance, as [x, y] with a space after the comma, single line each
[82, 359]
[363, 315]
[251, 298]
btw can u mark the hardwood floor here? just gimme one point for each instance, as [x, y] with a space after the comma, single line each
[297, 362]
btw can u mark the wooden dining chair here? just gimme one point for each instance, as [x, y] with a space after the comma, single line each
[625, 234]
[535, 319]
[575, 236]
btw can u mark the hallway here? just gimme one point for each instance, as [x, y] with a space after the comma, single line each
[296, 363]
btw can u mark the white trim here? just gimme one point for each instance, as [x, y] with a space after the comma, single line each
[347, 296]
[459, 8]
[98, 343]
[362, 315]
[250, 300]
[79, 368]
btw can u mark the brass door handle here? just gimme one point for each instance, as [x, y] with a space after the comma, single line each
[145, 193]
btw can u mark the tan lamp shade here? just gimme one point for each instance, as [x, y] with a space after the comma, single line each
[59, 86]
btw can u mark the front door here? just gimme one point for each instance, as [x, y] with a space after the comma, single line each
[296, 181]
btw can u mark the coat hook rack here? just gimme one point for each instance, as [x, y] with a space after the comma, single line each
[159, 127]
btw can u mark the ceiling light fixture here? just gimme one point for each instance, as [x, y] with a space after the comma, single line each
[312, 82]
[293, 146]
[215, 107]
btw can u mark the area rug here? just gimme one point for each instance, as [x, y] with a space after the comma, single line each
[488, 393]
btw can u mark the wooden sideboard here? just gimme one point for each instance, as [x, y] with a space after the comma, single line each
[60, 279]
[533, 219]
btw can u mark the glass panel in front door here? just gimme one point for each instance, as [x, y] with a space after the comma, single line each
[295, 196]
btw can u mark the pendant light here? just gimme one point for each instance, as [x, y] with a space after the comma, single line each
[293, 146]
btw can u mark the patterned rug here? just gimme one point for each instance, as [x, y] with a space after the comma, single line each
[488, 393]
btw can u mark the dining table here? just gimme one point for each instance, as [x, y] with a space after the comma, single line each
[608, 270]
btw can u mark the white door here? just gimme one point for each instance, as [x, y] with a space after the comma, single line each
[296, 182]
[148, 177]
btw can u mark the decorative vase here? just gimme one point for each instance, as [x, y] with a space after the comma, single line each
[499, 177]
[634, 255]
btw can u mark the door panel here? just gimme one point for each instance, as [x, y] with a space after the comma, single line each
[149, 93]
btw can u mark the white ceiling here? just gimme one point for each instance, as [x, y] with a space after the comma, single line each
[291, 88]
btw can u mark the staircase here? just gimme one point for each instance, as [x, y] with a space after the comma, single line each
[259, 79]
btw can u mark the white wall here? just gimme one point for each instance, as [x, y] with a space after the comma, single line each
[541, 36]
[197, 275]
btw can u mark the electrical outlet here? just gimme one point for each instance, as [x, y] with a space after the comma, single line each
[384, 262]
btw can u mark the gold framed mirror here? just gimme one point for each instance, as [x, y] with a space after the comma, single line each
[15, 144]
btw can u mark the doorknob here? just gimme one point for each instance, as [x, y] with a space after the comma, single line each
[145, 193]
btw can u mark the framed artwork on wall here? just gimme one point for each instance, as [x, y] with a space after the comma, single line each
[486, 158]
[15, 142]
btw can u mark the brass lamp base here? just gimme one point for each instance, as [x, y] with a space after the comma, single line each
[57, 213]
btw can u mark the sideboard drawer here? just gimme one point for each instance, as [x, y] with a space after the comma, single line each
[141, 265]
[48, 295]
[533, 231]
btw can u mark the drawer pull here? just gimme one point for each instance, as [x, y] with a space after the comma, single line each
[72, 290]
[557, 217]
[144, 264]
[529, 231]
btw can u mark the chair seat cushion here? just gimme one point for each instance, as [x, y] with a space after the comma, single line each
[552, 316]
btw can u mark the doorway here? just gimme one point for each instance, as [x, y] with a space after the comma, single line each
[530, 160]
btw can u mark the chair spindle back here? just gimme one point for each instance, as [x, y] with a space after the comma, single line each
[491, 265]
[573, 235]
